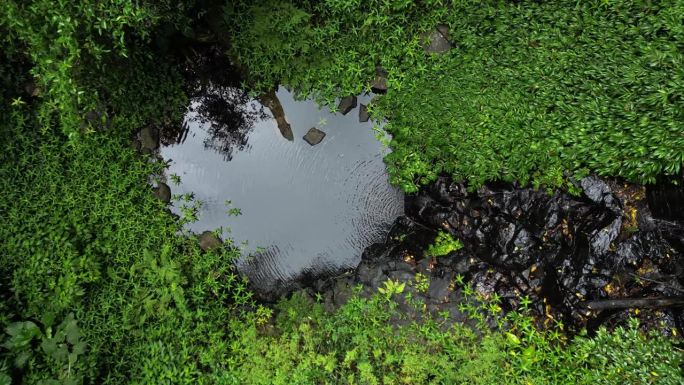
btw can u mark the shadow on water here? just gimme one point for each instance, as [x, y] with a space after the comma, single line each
[306, 210]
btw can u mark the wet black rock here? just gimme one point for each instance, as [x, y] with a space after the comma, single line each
[209, 241]
[598, 191]
[314, 136]
[666, 200]
[363, 113]
[347, 104]
[556, 248]
[163, 192]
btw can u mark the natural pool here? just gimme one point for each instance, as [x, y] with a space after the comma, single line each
[304, 208]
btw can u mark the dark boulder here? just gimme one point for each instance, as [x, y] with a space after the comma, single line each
[598, 191]
[163, 192]
[149, 138]
[347, 104]
[379, 83]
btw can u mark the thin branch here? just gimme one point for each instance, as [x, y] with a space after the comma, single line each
[609, 304]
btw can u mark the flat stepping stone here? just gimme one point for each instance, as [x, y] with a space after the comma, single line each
[347, 104]
[314, 136]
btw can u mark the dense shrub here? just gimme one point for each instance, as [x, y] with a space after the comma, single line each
[98, 282]
[329, 48]
[530, 90]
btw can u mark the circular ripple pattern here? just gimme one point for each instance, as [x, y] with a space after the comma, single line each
[305, 209]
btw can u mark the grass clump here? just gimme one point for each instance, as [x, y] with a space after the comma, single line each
[444, 244]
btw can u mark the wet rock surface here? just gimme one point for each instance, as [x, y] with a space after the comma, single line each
[563, 252]
[437, 40]
[149, 138]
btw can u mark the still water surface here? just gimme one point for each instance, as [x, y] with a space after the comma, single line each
[304, 208]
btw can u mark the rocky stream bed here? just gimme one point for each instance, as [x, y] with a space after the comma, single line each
[613, 252]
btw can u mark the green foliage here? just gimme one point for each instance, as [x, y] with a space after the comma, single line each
[326, 49]
[361, 343]
[99, 285]
[537, 89]
[391, 288]
[60, 349]
[83, 53]
[530, 90]
[421, 282]
[82, 234]
[444, 244]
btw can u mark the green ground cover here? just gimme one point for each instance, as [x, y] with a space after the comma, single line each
[357, 344]
[529, 91]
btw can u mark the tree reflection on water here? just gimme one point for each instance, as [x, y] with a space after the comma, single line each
[217, 102]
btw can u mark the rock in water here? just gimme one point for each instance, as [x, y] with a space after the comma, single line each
[363, 113]
[347, 104]
[209, 241]
[315, 136]
[271, 101]
[163, 192]
[149, 138]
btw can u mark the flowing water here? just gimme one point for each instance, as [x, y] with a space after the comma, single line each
[304, 209]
